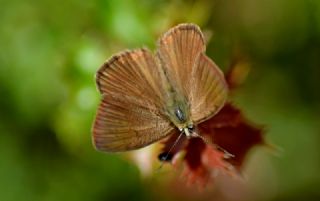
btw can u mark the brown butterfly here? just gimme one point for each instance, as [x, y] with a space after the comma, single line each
[146, 96]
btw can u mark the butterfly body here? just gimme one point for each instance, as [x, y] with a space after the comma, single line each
[178, 112]
[146, 96]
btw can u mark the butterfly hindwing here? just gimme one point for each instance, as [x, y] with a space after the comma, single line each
[207, 89]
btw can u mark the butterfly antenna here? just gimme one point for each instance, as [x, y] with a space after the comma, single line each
[207, 141]
[168, 153]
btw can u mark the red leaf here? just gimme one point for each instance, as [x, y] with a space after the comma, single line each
[231, 131]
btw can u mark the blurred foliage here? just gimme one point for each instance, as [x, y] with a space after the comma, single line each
[50, 51]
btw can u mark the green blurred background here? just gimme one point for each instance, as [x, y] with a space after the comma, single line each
[50, 51]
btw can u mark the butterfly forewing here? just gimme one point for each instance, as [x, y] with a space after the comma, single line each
[181, 52]
[130, 115]
[178, 50]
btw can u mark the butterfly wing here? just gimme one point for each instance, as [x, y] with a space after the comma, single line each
[181, 52]
[208, 89]
[130, 114]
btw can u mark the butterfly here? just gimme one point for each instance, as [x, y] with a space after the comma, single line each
[146, 96]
